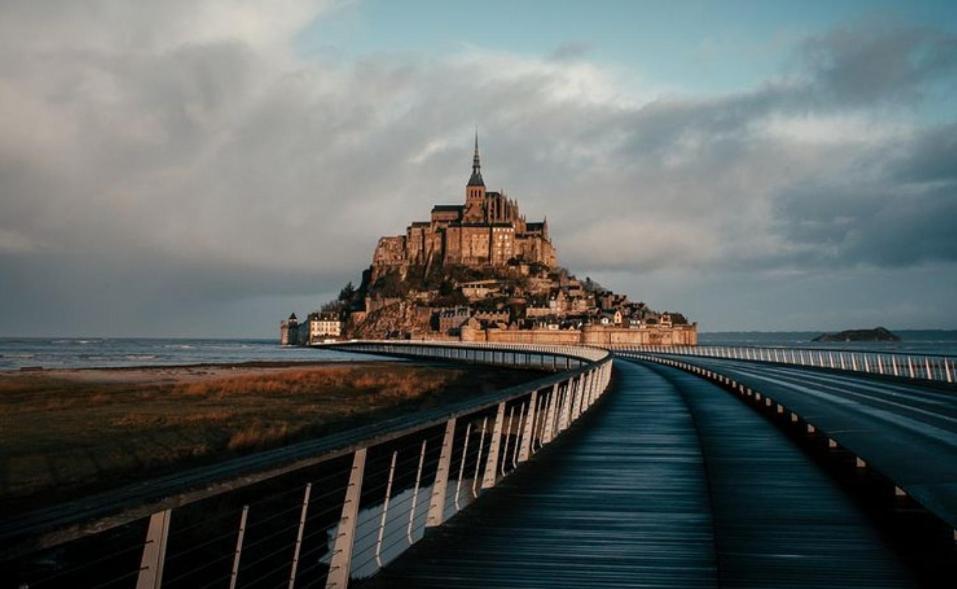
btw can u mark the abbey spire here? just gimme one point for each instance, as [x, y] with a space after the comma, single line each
[476, 179]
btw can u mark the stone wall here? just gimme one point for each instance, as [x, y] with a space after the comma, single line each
[686, 335]
[683, 335]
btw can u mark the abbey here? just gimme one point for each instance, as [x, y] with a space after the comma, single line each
[488, 230]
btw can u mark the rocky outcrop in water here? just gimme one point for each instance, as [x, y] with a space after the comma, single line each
[878, 334]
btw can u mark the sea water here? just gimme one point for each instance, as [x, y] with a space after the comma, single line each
[912, 341]
[16, 353]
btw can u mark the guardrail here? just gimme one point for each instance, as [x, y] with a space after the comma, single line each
[315, 513]
[914, 366]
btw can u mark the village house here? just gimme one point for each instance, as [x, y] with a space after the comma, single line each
[324, 326]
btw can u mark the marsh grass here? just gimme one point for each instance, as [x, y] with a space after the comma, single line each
[62, 436]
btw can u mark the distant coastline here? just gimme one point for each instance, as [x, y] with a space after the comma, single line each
[920, 341]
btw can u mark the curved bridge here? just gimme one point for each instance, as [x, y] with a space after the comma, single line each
[721, 468]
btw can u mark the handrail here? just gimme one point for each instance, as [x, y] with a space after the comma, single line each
[589, 353]
[537, 412]
[925, 367]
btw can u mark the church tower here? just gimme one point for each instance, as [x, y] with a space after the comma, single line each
[475, 190]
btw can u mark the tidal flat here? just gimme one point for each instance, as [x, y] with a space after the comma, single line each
[65, 433]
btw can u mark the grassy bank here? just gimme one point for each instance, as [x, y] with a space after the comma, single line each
[72, 432]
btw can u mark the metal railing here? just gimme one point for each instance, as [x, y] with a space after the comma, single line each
[913, 366]
[317, 513]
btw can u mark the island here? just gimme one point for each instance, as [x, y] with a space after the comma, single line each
[479, 271]
[878, 334]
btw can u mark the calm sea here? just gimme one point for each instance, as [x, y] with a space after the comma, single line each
[17, 353]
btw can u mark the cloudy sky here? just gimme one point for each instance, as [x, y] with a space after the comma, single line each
[204, 167]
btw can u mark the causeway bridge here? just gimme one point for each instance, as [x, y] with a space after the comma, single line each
[633, 467]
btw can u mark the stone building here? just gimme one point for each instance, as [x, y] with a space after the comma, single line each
[488, 230]
[289, 331]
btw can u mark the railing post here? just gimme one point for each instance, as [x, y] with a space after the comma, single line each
[529, 432]
[385, 510]
[508, 436]
[589, 397]
[478, 457]
[519, 434]
[437, 505]
[465, 451]
[579, 399]
[415, 492]
[563, 406]
[154, 551]
[549, 433]
[302, 525]
[491, 463]
[340, 566]
[237, 554]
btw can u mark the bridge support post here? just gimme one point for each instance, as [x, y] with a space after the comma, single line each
[154, 551]
[436, 513]
[340, 566]
[491, 463]
[529, 432]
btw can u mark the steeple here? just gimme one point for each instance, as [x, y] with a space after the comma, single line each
[476, 179]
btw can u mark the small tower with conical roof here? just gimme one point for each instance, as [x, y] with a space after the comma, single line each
[475, 189]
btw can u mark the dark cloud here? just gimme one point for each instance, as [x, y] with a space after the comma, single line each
[870, 64]
[847, 226]
[201, 173]
[931, 157]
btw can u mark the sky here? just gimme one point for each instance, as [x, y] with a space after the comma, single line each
[202, 168]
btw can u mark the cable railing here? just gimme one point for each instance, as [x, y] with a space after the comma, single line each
[928, 367]
[318, 513]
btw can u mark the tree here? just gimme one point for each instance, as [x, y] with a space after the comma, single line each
[333, 307]
[347, 293]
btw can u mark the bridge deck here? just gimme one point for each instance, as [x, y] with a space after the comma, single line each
[905, 431]
[635, 497]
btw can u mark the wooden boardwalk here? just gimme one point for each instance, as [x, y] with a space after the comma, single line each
[669, 482]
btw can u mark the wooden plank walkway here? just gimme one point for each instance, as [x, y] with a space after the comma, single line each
[619, 501]
[669, 482]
